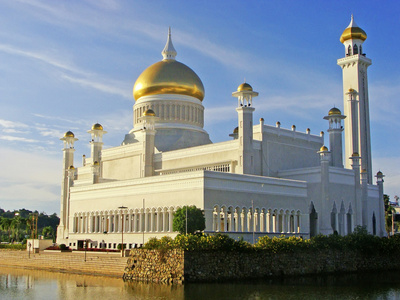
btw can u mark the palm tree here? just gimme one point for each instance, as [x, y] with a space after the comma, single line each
[48, 232]
[5, 224]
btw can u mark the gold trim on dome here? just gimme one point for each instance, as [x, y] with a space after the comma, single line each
[334, 111]
[149, 113]
[168, 77]
[69, 134]
[323, 148]
[244, 87]
[97, 126]
[353, 33]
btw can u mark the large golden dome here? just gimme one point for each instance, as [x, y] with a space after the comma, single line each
[168, 77]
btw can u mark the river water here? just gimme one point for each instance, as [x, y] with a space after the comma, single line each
[29, 284]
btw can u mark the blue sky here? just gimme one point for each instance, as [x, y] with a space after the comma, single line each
[65, 65]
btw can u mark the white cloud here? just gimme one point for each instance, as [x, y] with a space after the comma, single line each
[16, 139]
[12, 124]
[110, 89]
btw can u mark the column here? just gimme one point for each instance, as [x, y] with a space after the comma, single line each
[146, 221]
[165, 220]
[171, 218]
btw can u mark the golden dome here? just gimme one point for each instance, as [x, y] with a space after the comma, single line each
[379, 173]
[71, 167]
[236, 130]
[353, 32]
[334, 111]
[355, 154]
[97, 126]
[69, 134]
[323, 148]
[149, 113]
[244, 87]
[168, 77]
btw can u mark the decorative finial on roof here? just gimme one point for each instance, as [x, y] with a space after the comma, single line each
[169, 51]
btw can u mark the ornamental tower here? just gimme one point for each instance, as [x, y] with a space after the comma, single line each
[68, 169]
[335, 118]
[354, 66]
[245, 110]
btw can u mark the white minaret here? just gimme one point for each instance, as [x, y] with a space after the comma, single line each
[68, 161]
[148, 120]
[335, 118]
[354, 66]
[96, 144]
[245, 110]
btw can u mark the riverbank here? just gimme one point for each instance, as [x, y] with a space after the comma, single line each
[110, 264]
[178, 266]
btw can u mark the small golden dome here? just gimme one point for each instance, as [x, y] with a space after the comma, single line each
[355, 154]
[323, 148]
[334, 111]
[244, 87]
[379, 174]
[71, 167]
[149, 113]
[353, 32]
[168, 77]
[97, 126]
[69, 134]
[236, 130]
[96, 163]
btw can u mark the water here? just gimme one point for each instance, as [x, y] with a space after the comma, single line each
[29, 284]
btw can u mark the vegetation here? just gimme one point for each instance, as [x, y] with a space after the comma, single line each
[17, 225]
[360, 240]
[193, 216]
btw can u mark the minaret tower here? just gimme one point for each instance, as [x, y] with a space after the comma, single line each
[245, 110]
[335, 130]
[68, 161]
[96, 143]
[148, 120]
[354, 66]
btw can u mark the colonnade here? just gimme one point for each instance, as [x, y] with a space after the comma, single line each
[249, 219]
[133, 220]
[190, 113]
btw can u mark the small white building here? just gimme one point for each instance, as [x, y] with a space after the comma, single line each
[266, 180]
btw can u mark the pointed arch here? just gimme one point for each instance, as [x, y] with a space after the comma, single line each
[313, 220]
[355, 49]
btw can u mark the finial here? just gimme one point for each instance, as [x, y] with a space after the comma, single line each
[169, 51]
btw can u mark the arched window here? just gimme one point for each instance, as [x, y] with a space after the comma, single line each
[355, 50]
[349, 50]
[373, 224]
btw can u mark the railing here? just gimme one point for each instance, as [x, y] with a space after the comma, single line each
[224, 168]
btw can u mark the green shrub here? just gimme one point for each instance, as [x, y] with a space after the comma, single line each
[62, 247]
[13, 246]
[359, 241]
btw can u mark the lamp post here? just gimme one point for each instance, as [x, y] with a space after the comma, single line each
[122, 231]
[29, 249]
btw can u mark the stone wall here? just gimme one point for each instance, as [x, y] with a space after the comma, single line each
[176, 266]
[100, 264]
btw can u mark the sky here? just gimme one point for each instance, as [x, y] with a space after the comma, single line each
[65, 65]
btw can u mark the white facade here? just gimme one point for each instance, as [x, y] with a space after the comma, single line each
[267, 180]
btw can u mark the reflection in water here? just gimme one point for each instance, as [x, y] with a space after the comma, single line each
[29, 284]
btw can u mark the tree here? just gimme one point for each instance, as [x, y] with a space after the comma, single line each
[48, 232]
[6, 226]
[389, 210]
[195, 220]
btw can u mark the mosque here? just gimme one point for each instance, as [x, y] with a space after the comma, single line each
[265, 180]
